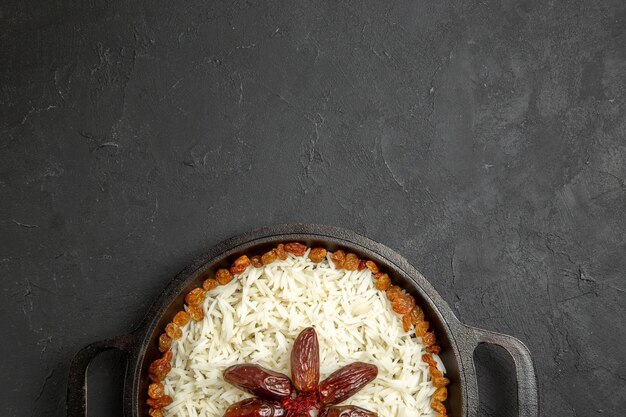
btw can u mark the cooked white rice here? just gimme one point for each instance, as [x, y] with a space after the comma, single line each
[256, 318]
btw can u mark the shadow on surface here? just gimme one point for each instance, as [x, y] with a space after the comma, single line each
[497, 386]
[105, 379]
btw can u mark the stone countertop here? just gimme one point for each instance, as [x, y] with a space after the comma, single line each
[484, 141]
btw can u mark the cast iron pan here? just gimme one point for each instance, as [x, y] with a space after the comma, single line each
[457, 340]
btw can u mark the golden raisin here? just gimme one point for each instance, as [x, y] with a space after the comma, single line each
[382, 282]
[429, 339]
[240, 265]
[317, 255]
[441, 394]
[403, 304]
[441, 415]
[210, 284]
[223, 276]
[406, 322]
[429, 360]
[195, 313]
[296, 248]
[180, 319]
[165, 342]
[256, 261]
[338, 258]
[371, 265]
[281, 252]
[155, 412]
[195, 297]
[158, 403]
[434, 372]
[440, 382]
[173, 331]
[421, 328]
[351, 263]
[156, 390]
[269, 257]
[160, 367]
[436, 349]
[361, 265]
[416, 315]
[438, 406]
[393, 292]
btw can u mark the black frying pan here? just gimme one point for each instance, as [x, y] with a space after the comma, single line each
[457, 340]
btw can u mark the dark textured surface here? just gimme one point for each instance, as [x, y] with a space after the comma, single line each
[485, 141]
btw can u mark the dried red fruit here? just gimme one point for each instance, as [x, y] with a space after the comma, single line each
[347, 411]
[338, 257]
[156, 390]
[240, 265]
[173, 331]
[281, 252]
[436, 349]
[269, 257]
[403, 304]
[295, 248]
[196, 313]
[361, 265]
[259, 381]
[180, 319]
[346, 382]
[210, 284]
[421, 328]
[429, 360]
[371, 265]
[255, 407]
[351, 262]
[158, 403]
[317, 254]
[223, 276]
[382, 282]
[256, 261]
[195, 297]
[160, 368]
[305, 361]
[165, 342]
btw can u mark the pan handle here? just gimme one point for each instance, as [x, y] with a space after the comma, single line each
[77, 380]
[527, 393]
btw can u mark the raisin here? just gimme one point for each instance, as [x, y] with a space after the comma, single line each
[346, 382]
[361, 265]
[403, 304]
[429, 339]
[436, 349]
[296, 248]
[438, 406]
[155, 412]
[240, 265]
[255, 407]
[223, 276]
[181, 318]
[195, 297]
[196, 313]
[256, 261]
[347, 411]
[371, 265]
[351, 263]
[441, 394]
[281, 252]
[406, 322]
[305, 361]
[441, 382]
[429, 360]
[338, 258]
[210, 284]
[434, 372]
[160, 367]
[393, 292]
[259, 381]
[421, 328]
[269, 257]
[416, 315]
[382, 282]
[317, 255]
[158, 403]
[156, 390]
[173, 331]
[165, 342]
